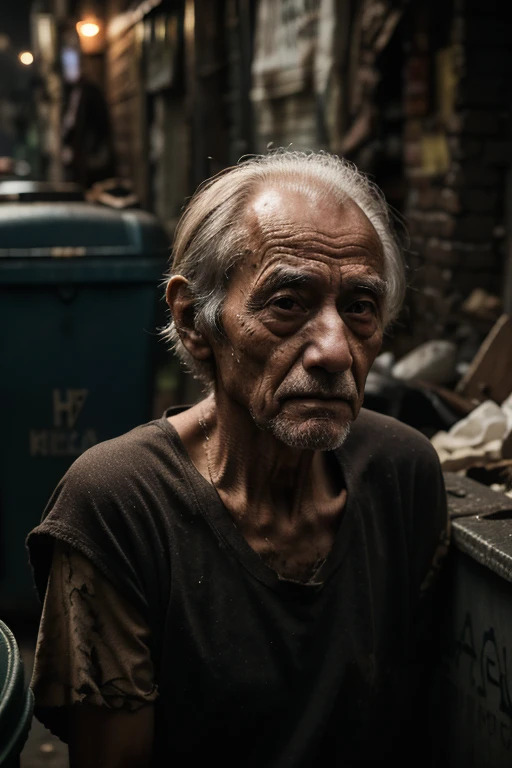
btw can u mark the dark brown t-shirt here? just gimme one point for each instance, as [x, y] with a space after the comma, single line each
[92, 645]
[251, 668]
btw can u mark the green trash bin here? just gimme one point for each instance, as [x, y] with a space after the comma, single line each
[16, 701]
[80, 304]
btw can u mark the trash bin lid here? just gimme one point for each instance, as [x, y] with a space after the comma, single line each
[68, 229]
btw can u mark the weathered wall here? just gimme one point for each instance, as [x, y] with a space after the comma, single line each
[456, 150]
[127, 104]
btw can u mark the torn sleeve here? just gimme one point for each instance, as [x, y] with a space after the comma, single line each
[93, 647]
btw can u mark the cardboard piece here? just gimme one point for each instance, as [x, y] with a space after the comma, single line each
[489, 377]
[459, 404]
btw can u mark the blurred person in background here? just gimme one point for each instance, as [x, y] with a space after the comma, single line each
[87, 151]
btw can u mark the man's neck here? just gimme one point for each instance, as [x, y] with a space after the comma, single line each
[248, 466]
[286, 503]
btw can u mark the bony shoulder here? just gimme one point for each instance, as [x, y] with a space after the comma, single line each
[116, 458]
[394, 437]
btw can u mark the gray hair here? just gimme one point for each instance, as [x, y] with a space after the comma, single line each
[211, 238]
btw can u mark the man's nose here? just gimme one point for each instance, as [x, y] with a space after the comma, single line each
[329, 347]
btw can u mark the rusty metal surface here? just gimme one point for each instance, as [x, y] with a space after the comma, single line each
[481, 523]
[489, 542]
[467, 498]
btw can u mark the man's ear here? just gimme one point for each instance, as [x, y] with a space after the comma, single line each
[181, 302]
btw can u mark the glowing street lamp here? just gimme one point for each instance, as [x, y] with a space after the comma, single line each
[26, 58]
[88, 28]
[91, 33]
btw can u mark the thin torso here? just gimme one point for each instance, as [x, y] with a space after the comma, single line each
[294, 545]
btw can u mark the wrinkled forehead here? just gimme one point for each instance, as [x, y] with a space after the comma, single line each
[292, 207]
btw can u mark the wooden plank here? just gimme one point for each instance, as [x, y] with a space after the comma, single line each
[457, 402]
[490, 374]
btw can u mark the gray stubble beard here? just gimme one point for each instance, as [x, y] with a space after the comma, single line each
[318, 437]
[325, 434]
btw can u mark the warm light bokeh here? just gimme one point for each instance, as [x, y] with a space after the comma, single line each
[87, 28]
[26, 58]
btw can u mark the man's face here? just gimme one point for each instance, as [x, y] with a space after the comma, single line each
[302, 317]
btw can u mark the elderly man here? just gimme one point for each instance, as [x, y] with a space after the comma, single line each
[249, 580]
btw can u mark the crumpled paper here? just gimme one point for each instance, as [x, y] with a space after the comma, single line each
[477, 437]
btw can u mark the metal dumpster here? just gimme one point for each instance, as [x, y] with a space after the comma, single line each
[79, 310]
[475, 688]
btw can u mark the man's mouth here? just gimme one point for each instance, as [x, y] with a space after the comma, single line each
[319, 400]
[315, 396]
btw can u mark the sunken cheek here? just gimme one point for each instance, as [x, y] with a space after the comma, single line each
[262, 358]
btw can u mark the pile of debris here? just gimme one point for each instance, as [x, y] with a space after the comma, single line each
[462, 403]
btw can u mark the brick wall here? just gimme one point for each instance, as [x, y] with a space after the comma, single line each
[457, 149]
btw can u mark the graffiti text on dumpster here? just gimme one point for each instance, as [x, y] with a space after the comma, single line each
[479, 718]
[63, 439]
[480, 662]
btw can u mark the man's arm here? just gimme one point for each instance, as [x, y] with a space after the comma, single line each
[104, 738]
[93, 676]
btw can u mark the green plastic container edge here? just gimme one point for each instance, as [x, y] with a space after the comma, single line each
[13, 688]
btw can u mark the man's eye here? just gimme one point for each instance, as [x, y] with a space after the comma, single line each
[286, 303]
[362, 308]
